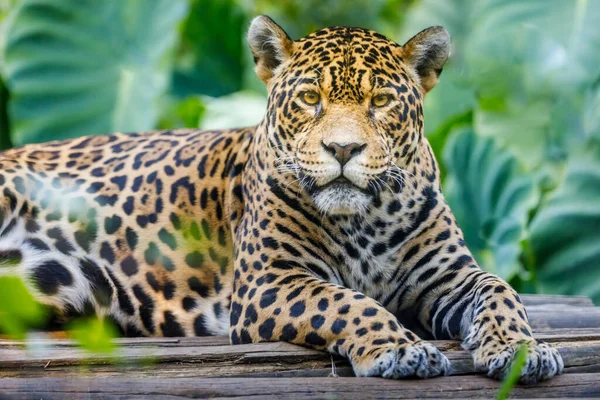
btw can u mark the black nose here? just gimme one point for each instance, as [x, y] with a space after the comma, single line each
[344, 152]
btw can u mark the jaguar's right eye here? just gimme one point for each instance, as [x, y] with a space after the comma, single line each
[381, 100]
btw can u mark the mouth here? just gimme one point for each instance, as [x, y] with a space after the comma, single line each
[341, 197]
[341, 182]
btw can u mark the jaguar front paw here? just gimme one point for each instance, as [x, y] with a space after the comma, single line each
[393, 361]
[543, 361]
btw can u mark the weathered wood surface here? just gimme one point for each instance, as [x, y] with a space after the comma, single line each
[210, 367]
[575, 385]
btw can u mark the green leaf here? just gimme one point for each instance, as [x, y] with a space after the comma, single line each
[88, 67]
[94, 335]
[529, 62]
[186, 113]
[491, 197]
[210, 55]
[522, 127]
[18, 310]
[438, 138]
[514, 374]
[565, 233]
[549, 42]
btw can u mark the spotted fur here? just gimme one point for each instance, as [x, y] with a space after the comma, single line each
[324, 226]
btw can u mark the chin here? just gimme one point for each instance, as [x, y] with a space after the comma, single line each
[341, 200]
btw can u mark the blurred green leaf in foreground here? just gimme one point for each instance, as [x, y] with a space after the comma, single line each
[513, 374]
[95, 335]
[19, 312]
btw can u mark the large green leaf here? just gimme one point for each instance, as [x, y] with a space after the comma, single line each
[210, 55]
[491, 198]
[78, 67]
[565, 233]
[552, 42]
[529, 62]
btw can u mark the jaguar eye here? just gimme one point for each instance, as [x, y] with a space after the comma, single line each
[310, 97]
[381, 100]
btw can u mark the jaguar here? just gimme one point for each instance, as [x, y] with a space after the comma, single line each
[324, 225]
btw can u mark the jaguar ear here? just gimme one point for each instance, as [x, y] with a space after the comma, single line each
[427, 53]
[270, 46]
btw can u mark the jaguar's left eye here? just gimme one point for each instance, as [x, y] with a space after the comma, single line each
[310, 97]
[381, 100]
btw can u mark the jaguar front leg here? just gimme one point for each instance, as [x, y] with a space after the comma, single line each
[282, 300]
[498, 326]
[487, 315]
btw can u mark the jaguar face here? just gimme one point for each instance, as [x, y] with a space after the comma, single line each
[345, 112]
[344, 150]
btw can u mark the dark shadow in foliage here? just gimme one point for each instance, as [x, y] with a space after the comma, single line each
[210, 54]
[4, 123]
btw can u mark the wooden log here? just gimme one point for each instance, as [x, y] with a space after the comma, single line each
[188, 367]
[554, 299]
[563, 316]
[575, 385]
[203, 357]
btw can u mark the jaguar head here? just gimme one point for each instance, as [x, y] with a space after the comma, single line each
[345, 108]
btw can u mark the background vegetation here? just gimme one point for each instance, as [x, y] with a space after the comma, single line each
[515, 121]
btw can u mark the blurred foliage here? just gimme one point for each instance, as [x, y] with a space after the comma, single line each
[210, 54]
[565, 233]
[514, 122]
[4, 124]
[219, 115]
[529, 73]
[93, 66]
[301, 17]
[514, 373]
[95, 335]
[491, 196]
[19, 312]
[187, 112]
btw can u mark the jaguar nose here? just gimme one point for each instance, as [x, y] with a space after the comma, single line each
[344, 152]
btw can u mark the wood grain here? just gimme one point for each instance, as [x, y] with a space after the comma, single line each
[175, 368]
[574, 385]
[212, 357]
